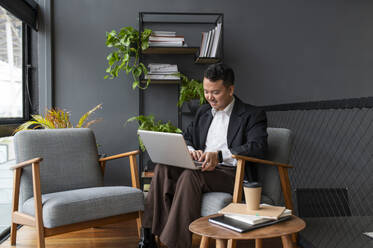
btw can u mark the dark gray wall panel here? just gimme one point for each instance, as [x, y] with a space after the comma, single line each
[282, 51]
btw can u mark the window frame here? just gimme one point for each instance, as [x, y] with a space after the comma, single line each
[26, 78]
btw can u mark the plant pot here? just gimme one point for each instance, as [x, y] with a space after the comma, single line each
[193, 105]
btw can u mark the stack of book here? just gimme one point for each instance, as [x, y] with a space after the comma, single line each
[165, 39]
[162, 72]
[237, 217]
[210, 42]
[265, 213]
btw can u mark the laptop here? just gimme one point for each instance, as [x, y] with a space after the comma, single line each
[169, 149]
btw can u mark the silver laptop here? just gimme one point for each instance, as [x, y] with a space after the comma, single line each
[169, 149]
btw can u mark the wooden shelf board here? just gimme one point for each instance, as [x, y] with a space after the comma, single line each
[171, 50]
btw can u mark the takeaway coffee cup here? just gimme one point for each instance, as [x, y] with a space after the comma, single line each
[253, 191]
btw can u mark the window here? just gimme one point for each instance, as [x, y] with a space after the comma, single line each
[17, 17]
[6, 178]
[13, 78]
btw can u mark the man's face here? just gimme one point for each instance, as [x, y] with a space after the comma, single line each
[216, 94]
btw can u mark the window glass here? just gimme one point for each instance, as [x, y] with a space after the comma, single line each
[11, 88]
[6, 178]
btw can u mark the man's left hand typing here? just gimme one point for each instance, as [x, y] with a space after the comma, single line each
[210, 161]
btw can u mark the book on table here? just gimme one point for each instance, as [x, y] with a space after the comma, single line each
[265, 210]
[253, 219]
[240, 226]
[238, 218]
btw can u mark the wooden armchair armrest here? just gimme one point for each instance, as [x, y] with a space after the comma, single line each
[282, 170]
[261, 161]
[26, 163]
[133, 165]
[121, 155]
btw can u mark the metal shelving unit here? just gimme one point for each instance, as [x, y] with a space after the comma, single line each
[184, 19]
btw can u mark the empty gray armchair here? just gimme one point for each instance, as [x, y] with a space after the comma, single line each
[63, 190]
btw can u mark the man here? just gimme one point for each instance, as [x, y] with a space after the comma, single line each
[223, 127]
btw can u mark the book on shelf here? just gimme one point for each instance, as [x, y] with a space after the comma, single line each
[162, 67]
[162, 77]
[203, 44]
[207, 44]
[265, 210]
[166, 38]
[164, 33]
[215, 44]
[162, 72]
[156, 67]
[210, 42]
[208, 53]
[166, 43]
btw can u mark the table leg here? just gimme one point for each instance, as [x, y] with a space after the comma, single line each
[258, 243]
[204, 242]
[220, 243]
[286, 241]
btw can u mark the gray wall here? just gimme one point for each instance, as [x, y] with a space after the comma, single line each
[281, 51]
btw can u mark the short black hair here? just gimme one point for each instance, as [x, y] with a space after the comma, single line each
[220, 71]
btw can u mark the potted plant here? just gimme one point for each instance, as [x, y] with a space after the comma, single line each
[56, 118]
[148, 123]
[191, 91]
[126, 44]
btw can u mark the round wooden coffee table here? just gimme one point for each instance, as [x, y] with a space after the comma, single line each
[283, 229]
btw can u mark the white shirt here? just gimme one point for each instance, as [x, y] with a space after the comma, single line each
[217, 134]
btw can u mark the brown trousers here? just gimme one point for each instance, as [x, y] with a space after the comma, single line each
[174, 200]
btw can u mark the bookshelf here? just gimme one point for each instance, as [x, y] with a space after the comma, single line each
[190, 26]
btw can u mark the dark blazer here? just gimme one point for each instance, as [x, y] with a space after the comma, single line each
[247, 131]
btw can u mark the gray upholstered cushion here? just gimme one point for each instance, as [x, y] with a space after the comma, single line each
[79, 205]
[214, 201]
[69, 159]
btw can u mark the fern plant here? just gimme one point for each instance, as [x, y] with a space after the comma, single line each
[126, 44]
[57, 118]
[190, 89]
[148, 123]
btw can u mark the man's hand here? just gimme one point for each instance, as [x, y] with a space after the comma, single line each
[196, 155]
[210, 161]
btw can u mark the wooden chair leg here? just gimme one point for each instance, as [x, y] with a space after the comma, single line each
[204, 242]
[139, 224]
[15, 202]
[38, 206]
[40, 238]
[13, 234]
[232, 243]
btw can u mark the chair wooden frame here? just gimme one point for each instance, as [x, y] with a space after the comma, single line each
[237, 192]
[37, 221]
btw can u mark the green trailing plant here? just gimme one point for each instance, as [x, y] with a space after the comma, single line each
[57, 118]
[148, 123]
[126, 44]
[190, 89]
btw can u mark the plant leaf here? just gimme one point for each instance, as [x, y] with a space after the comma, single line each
[86, 115]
